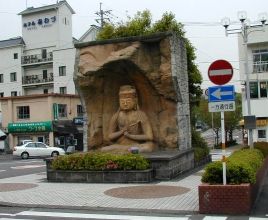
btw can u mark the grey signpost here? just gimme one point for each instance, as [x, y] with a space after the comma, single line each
[221, 98]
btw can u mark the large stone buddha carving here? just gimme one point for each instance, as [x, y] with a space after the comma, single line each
[129, 127]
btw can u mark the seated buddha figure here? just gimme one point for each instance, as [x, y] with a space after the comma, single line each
[129, 127]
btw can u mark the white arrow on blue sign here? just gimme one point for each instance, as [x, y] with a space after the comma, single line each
[221, 93]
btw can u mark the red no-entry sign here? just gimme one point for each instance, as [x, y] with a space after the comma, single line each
[220, 72]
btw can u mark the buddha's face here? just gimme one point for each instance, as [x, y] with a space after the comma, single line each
[127, 104]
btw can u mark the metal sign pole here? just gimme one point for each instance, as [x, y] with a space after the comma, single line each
[223, 148]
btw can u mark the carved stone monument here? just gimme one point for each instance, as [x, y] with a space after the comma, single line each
[135, 93]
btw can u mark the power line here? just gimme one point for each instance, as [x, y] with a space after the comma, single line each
[103, 16]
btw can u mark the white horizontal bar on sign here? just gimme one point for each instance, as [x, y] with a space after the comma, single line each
[222, 72]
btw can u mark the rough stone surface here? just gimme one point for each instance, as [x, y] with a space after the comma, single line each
[156, 66]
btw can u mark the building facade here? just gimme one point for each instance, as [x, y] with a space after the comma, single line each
[257, 56]
[42, 60]
[53, 119]
[37, 93]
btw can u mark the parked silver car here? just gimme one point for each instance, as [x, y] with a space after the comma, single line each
[36, 149]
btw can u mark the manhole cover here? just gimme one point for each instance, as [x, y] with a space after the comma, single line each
[5, 187]
[146, 192]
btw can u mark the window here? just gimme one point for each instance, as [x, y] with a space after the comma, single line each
[62, 70]
[31, 145]
[1, 94]
[62, 141]
[1, 78]
[260, 60]
[15, 56]
[14, 93]
[40, 139]
[13, 77]
[44, 74]
[261, 133]
[62, 109]
[79, 110]
[40, 145]
[45, 91]
[63, 90]
[23, 112]
[253, 86]
[44, 53]
[263, 89]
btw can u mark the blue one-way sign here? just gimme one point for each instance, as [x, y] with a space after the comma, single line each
[221, 93]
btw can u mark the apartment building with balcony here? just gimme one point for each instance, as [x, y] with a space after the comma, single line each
[257, 52]
[42, 60]
[36, 79]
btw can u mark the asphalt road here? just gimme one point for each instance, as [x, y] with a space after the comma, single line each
[11, 213]
[10, 167]
[209, 136]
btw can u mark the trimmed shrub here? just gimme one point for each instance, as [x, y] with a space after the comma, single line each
[197, 140]
[241, 167]
[200, 153]
[100, 161]
[200, 146]
[263, 147]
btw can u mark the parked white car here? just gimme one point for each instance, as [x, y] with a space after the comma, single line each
[36, 149]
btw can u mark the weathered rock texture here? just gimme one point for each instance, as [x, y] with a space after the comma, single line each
[156, 65]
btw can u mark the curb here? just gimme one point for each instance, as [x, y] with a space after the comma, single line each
[101, 209]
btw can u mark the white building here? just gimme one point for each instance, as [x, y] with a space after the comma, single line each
[257, 52]
[42, 60]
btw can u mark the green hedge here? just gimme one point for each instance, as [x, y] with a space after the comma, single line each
[263, 147]
[200, 146]
[100, 161]
[200, 153]
[241, 167]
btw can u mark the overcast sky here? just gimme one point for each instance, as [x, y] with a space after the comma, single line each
[201, 19]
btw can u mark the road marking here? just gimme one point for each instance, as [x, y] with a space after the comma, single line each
[2, 171]
[15, 219]
[7, 214]
[97, 216]
[215, 218]
[257, 218]
[27, 167]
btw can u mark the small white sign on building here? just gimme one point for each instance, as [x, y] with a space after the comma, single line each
[226, 106]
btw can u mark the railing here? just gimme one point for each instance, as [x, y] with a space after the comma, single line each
[37, 58]
[34, 79]
[260, 67]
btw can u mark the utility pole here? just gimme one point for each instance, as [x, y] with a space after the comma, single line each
[245, 30]
[102, 15]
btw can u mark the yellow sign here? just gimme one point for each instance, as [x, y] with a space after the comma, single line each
[261, 122]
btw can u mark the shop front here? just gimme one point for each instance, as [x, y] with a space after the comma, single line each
[67, 133]
[35, 131]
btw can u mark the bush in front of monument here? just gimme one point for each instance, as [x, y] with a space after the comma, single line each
[100, 161]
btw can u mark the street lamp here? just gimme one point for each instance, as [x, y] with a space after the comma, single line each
[245, 30]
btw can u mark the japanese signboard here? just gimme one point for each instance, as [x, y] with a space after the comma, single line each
[226, 106]
[29, 127]
[40, 22]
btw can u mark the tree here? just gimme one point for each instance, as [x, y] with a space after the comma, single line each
[141, 24]
[231, 119]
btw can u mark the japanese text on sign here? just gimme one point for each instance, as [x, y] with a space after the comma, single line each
[221, 106]
[44, 22]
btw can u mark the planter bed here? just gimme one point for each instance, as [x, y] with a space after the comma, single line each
[230, 199]
[105, 176]
[114, 176]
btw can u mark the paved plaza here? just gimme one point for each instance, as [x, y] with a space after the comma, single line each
[34, 191]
